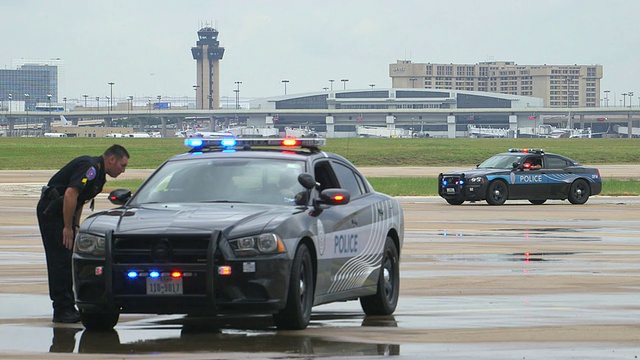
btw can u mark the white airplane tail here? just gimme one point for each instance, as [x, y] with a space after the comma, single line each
[64, 121]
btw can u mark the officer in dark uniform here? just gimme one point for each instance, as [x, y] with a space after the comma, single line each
[59, 211]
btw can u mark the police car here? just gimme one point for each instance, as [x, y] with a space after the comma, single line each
[243, 226]
[525, 174]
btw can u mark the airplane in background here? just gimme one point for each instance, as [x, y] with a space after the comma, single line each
[64, 121]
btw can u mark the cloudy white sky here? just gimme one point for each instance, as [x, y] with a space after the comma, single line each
[144, 45]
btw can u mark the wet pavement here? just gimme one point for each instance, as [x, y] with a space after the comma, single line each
[516, 281]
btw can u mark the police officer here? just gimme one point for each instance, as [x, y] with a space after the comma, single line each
[59, 211]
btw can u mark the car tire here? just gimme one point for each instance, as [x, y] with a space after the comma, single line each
[297, 312]
[99, 320]
[454, 201]
[538, 202]
[579, 192]
[497, 193]
[385, 300]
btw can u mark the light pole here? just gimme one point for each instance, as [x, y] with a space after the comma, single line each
[372, 85]
[26, 108]
[237, 91]
[98, 102]
[630, 97]
[344, 82]
[65, 104]
[111, 96]
[325, 88]
[285, 86]
[331, 82]
[606, 98]
[413, 82]
[624, 99]
[108, 104]
[10, 97]
[85, 96]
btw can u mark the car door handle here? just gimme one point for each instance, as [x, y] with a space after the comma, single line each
[380, 212]
[354, 221]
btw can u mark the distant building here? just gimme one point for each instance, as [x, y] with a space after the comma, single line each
[33, 82]
[558, 85]
[207, 54]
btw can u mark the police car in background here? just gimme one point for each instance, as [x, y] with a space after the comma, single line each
[248, 226]
[525, 174]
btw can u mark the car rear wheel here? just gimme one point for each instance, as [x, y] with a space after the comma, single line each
[579, 192]
[385, 300]
[99, 320]
[455, 201]
[297, 313]
[497, 193]
[537, 202]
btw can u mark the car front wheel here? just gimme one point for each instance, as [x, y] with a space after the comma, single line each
[579, 192]
[99, 320]
[385, 300]
[297, 313]
[497, 193]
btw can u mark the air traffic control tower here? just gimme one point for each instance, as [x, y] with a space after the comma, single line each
[207, 54]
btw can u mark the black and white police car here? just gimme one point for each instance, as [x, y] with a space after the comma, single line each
[243, 226]
[524, 174]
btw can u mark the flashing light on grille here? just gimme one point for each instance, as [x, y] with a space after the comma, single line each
[132, 274]
[154, 274]
[224, 270]
[98, 270]
[176, 274]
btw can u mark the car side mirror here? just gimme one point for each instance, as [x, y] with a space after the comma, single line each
[119, 196]
[334, 197]
[307, 181]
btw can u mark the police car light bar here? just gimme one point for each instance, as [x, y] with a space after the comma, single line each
[533, 151]
[198, 143]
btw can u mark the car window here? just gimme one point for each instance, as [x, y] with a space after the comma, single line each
[347, 179]
[502, 161]
[555, 162]
[264, 181]
[325, 176]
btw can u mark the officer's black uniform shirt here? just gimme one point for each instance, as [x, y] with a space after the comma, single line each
[84, 172]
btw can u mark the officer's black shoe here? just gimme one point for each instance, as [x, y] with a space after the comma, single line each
[66, 316]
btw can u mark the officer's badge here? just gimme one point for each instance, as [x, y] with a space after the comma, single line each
[91, 173]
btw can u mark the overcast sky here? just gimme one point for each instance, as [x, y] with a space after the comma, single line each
[144, 45]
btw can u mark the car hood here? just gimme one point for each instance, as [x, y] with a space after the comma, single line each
[232, 219]
[478, 172]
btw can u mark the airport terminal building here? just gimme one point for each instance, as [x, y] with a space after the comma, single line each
[416, 110]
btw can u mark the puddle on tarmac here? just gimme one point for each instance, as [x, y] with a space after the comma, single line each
[151, 334]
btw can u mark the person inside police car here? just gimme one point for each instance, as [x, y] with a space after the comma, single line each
[59, 211]
[532, 164]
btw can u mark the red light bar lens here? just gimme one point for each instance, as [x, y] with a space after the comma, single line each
[224, 270]
[176, 274]
[290, 142]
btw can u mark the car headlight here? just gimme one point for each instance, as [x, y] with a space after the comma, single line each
[89, 244]
[476, 180]
[268, 243]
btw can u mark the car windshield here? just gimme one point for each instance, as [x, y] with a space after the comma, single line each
[261, 181]
[501, 161]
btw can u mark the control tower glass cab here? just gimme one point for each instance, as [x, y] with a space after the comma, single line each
[207, 54]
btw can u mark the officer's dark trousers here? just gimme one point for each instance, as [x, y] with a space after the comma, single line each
[58, 258]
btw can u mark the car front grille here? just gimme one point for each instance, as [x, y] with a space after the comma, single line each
[159, 249]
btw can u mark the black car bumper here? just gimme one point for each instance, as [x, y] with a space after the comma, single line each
[213, 282]
[456, 187]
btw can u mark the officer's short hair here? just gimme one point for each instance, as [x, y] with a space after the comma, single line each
[118, 151]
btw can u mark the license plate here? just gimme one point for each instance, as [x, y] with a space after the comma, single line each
[164, 286]
[451, 190]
